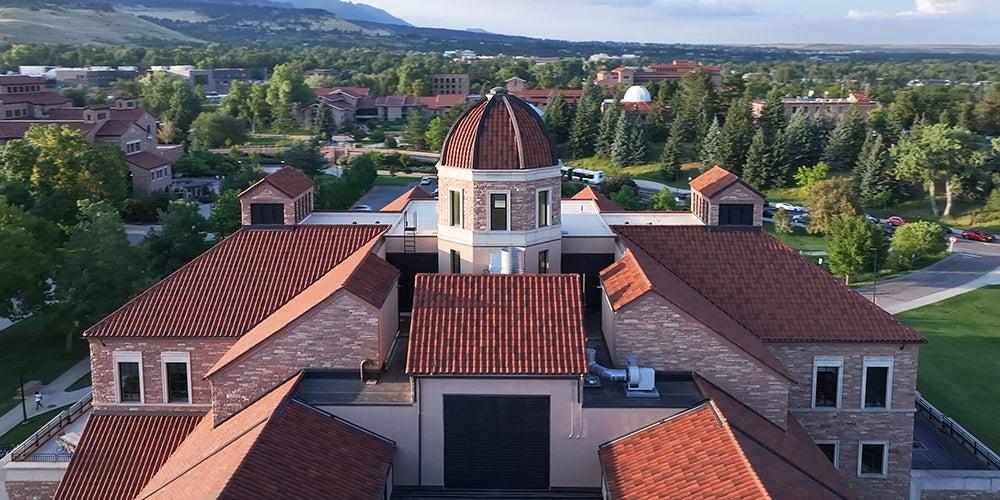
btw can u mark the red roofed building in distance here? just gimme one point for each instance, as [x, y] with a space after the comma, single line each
[655, 73]
[497, 340]
[835, 108]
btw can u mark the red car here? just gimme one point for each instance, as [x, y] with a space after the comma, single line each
[895, 220]
[973, 235]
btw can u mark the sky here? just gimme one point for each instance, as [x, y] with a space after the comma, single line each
[718, 21]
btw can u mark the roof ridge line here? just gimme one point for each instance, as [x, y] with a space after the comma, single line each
[728, 427]
[686, 411]
[785, 458]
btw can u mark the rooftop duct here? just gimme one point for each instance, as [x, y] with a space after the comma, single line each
[639, 382]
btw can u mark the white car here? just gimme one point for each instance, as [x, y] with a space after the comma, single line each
[789, 207]
[424, 181]
[871, 218]
[362, 208]
[801, 218]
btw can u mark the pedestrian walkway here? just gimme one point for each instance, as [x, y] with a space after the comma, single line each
[54, 396]
[956, 274]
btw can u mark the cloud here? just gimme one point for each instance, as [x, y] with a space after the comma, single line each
[685, 8]
[932, 8]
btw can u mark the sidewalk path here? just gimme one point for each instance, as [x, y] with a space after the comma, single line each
[54, 396]
[956, 274]
[656, 187]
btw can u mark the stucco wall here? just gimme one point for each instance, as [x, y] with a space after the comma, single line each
[476, 260]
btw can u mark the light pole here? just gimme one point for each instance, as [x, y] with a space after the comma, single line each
[24, 408]
[874, 273]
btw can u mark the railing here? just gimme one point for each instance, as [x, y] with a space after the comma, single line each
[25, 451]
[968, 440]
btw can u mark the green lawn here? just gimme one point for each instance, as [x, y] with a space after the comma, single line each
[959, 364]
[25, 429]
[81, 383]
[395, 180]
[37, 344]
[799, 239]
[647, 171]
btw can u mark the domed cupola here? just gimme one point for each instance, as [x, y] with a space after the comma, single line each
[500, 132]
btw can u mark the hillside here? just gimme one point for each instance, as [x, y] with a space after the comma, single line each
[82, 26]
[352, 11]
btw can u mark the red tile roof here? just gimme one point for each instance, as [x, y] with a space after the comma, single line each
[693, 454]
[238, 283]
[114, 128]
[604, 204]
[399, 204]
[20, 80]
[542, 96]
[500, 132]
[277, 447]
[636, 107]
[15, 129]
[353, 91]
[719, 449]
[146, 160]
[713, 180]
[40, 98]
[66, 113]
[363, 273]
[638, 273]
[288, 180]
[469, 324]
[119, 453]
[441, 101]
[766, 286]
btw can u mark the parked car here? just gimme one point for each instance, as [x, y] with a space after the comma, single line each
[424, 181]
[789, 207]
[769, 211]
[972, 234]
[801, 218]
[889, 229]
[871, 218]
[362, 208]
[896, 220]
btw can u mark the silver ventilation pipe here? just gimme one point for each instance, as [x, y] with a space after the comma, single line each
[595, 369]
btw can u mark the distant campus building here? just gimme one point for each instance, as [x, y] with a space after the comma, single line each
[627, 75]
[835, 108]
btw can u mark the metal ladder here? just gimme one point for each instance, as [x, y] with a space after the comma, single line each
[409, 233]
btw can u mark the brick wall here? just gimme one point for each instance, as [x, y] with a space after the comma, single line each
[204, 353]
[339, 333]
[665, 339]
[849, 425]
[523, 201]
[266, 193]
[736, 193]
[959, 495]
[31, 490]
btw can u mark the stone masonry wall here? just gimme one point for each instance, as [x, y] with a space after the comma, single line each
[265, 193]
[203, 352]
[664, 339]
[476, 210]
[31, 490]
[737, 193]
[338, 334]
[959, 495]
[849, 424]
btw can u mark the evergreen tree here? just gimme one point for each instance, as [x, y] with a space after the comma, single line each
[621, 153]
[877, 185]
[820, 127]
[737, 134]
[798, 142]
[772, 118]
[695, 106]
[670, 161]
[415, 131]
[660, 113]
[710, 146]
[755, 172]
[586, 122]
[606, 133]
[557, 118]
[436, 133]
[845, 141]
[636, 141]
[886, 123]
[323, 126]
[733, 87]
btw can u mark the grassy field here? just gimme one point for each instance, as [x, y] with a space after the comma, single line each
[80, 26]
[799, 239]
[81, 383]
[959, 365]
[25, 429]
[647, 171]
[966, 214]
[395, 180]
[37, 344]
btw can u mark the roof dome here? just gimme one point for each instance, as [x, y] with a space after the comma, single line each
[500, 132]
[637, 93]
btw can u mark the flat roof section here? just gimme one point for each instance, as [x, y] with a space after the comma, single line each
[344, 387]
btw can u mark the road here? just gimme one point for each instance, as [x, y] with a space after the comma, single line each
[380, 196]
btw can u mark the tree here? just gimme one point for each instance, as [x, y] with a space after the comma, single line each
[621, 153]
[180, 238]
[773, 120]
[236, 102]
[663, 200]
[695, 106]
[782, 222]
[845, 141]
[258, 110]
[323, 125]
[27, 243]
[758, 162]
[99, 270]
[852, 244]
[287, 93]
[885, 122]
[305, 156]
[586, 122]
[627, 197]
[737, 134]
[436, 133]
[935, 154]
[670, 161]
[415, 132]
[877, 184]
[798, 142]
[660, 112]
[214, 130]
[828, 201]
[807, 177]
[226, 215]
[636, 141]
[557, 118]
[987, 112]
[607, 130]
[171, 100]
[710, 146]
[915, 243]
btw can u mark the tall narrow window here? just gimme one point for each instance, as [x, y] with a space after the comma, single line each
[543, 262]
[498, 211]
[455, 207]
[876, 385]
[128, 376]
[177, 377]
[456, 262]
[872, 458]
[543, 208]
[826, 381]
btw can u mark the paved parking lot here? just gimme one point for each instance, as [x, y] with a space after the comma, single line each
[380, 196]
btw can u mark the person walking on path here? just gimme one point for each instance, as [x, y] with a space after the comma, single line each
[38, 400]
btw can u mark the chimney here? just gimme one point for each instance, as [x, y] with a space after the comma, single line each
[720, 198]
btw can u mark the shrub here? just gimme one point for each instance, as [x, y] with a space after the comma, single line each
[808, 176]
[916, 243]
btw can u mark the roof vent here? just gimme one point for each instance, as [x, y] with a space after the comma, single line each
[639, 382]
